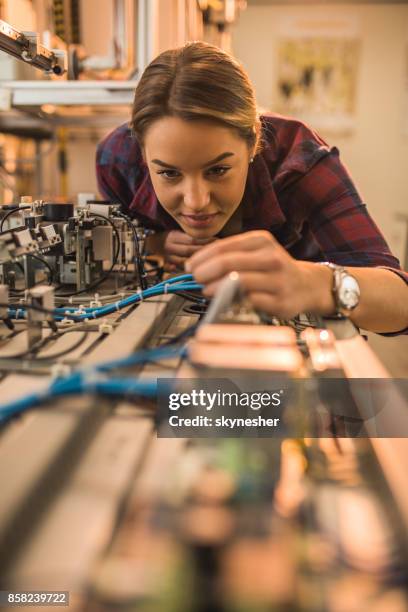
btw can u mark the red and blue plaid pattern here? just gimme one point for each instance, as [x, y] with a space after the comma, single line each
[297, 189]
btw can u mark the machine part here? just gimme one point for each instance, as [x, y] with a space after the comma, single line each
[29, 271]
[229, 304]
[102, 209]
[322, 350]
[6, 247]
[49, 234]
[102, 243]
[4, 298]
[58, 212]
[247, 334]
[26, 46]
[9, 213]
[40, 297]
[235, 356]
[85, 198]
[76, 242]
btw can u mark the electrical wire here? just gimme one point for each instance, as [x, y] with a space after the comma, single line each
[186, 333]
[15, 292]
[46, 264]
[193, 298]
[43, 342]
[9, 213]
[91, 380]
[66, 351]
[81, 384]
[17, 311]
[172, 285]
[36, 347]
[139, 262]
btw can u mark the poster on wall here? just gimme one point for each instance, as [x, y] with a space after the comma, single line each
[317, 73]
[317, 81]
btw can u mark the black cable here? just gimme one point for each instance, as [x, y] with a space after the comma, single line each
[195, 309]
[76, 345]
[156, 268]
[36, 347]
[193, 298]
[44, 341]
[10, 336]
[46, 264]
[108, 273]
[11, 212]
[186, 333]
[139, 261]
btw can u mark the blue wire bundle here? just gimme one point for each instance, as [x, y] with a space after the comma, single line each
[184, 282]
[92, 380]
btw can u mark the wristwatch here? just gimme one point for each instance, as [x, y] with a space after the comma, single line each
[345, 289]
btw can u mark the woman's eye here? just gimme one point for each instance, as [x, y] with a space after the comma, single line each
[218, 170]
[169, 174]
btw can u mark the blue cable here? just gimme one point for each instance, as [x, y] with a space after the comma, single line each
[79, 384]
[101, 311]
[170, 281]
[89, 380]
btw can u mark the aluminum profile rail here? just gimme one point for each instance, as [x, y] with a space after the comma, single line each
[25, 46]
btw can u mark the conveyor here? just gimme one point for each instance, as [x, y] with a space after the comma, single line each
[93, 502]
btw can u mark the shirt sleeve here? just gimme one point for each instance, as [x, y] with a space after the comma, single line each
[339, 220]
[119, 167]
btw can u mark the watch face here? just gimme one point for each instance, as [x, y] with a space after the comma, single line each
[349, 292]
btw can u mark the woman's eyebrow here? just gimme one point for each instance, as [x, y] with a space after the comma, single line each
[209, 163]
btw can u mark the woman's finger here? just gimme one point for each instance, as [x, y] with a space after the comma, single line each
[215, 268]
[175, 259]
[264, 282]
[272, 305]
[248, 241]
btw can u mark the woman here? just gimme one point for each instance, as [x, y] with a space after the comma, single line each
[198, 164]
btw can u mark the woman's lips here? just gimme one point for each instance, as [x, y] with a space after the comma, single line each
[199, 220]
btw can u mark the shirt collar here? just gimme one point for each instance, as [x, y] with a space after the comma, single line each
[261, 205]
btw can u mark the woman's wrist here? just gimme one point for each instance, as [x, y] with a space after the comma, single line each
[317, 288]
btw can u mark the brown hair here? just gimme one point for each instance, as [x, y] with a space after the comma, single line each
[193, 82]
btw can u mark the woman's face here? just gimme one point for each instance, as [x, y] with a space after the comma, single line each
[198, 170]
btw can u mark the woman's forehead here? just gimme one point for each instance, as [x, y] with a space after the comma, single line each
[198, 141]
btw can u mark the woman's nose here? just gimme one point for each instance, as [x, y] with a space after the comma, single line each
[196, 196]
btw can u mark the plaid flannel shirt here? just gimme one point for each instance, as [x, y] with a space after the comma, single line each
[297, 189]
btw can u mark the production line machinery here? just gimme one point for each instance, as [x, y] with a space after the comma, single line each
[72, 244]
[100, 499]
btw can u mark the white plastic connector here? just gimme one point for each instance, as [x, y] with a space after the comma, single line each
[95, 303]
[66, 322]
[60, 370]
[105, 327]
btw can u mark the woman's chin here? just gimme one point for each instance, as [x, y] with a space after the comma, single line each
[202, 233]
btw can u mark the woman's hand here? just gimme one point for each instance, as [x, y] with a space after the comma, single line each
[273, 281]
[179, 246]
